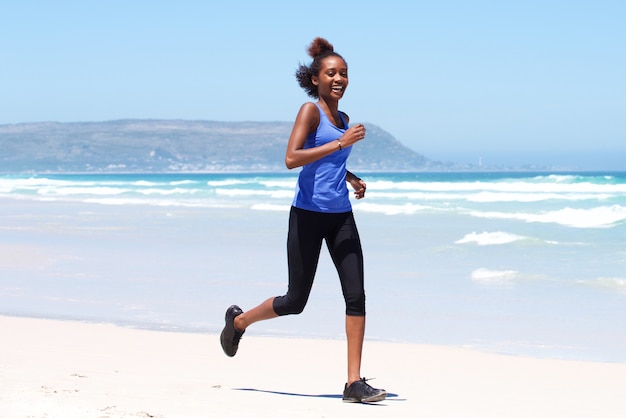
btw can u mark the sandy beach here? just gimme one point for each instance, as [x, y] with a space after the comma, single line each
[51, 368]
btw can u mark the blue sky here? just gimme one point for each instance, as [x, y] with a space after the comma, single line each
[509, 81]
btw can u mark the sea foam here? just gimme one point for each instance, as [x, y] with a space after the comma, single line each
[597, 217]
[488, 276]
[617, 284]
[489, 238]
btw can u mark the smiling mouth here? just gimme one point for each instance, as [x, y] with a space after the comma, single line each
[338, 89]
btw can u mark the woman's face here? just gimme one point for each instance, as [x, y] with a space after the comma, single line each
[332, 79]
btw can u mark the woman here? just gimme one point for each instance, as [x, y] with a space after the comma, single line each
[320, 143]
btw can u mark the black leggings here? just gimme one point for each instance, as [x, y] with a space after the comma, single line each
[307, 230]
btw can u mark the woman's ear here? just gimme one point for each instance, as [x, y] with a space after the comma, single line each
[315, 80]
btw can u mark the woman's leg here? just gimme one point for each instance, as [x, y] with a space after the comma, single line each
[304, 242]
[259, 313]
[345, 248]
[344, 245]
[355, 332]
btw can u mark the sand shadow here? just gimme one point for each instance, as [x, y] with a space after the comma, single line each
[393, 396]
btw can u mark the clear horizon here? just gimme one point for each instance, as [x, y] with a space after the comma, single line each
[531, 83]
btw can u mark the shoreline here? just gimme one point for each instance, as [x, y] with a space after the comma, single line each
[77, 260]
[62, 368]
[289, 333]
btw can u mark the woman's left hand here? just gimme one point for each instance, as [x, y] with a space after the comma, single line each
[359, 187]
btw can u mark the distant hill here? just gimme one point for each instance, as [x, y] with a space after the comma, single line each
[176, 146]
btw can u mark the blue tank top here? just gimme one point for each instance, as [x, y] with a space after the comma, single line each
[321, 185]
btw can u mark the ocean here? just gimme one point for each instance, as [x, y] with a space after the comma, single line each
[510, 262]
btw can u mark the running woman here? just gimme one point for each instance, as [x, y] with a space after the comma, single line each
[320, 142]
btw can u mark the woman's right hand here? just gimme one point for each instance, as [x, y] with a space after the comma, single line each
[353, 135]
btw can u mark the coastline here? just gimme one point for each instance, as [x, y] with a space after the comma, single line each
[84, 248]
[69, 369]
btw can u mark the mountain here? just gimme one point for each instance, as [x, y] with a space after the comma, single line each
[177, 145]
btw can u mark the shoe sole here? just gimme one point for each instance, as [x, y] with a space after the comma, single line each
[375, 398]
[223, 341]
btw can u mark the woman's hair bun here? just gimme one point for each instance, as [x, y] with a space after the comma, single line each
[319, 46]
[319, 49]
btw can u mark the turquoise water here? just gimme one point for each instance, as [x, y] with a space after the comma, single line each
[520, 263]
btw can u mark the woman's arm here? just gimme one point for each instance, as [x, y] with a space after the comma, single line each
[307, 120]
[357, 184]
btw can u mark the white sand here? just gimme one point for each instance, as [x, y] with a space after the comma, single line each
[68, 369]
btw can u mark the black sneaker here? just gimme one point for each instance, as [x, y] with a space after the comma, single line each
[361, 391]
[230, 335]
